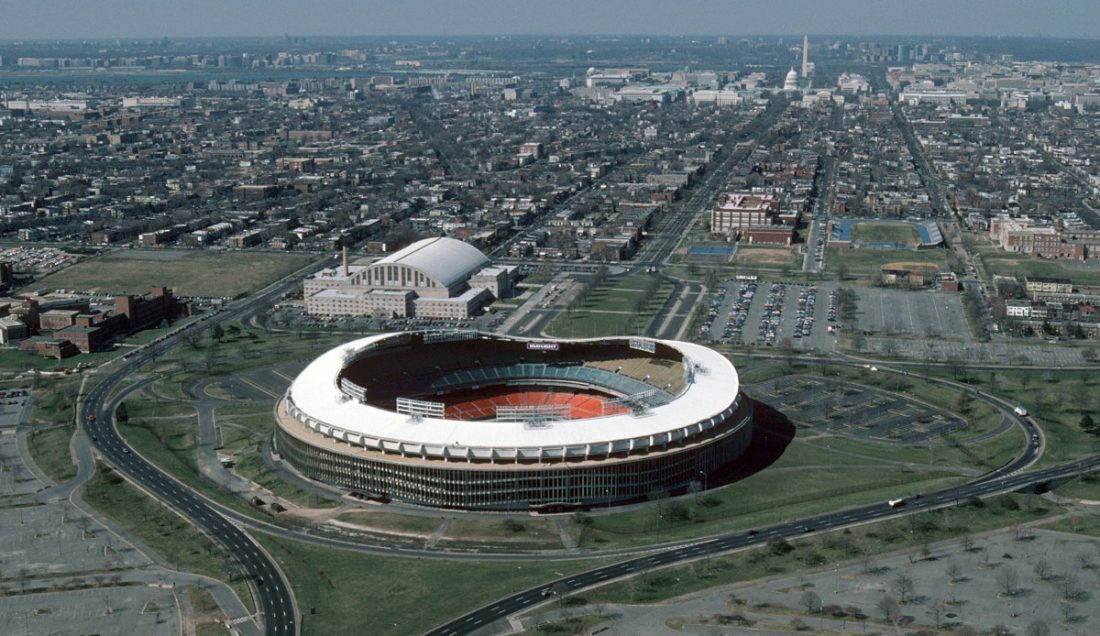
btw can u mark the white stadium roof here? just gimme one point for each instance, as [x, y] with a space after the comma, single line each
[443, 259]
[320, 404]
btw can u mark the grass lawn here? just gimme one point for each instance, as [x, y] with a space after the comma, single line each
[871, 232]
[620, 306]
[755, 371]
[176, 541]
[351, 591]
[819, 551]
[148, 335]
[580, 324]
[980, 416]
[1084, 487]
[767, 497]
[139, 405]
[188, 273]
[175, 386]
[250, 465]
[247, 410]
[171, 446]
[956, 450]
[538, 279]
[12, 358]
[621, 293]
[167, 443]
[55, 400]
[998, 264]
[526, 534]
[209, 359]
[572, 625]
[262, 423]
[1077, 524]
[867, 261]
[1055, 399]
[235, 439]
[208, 618]
[391, 521]
[49, 447]
[986, 456]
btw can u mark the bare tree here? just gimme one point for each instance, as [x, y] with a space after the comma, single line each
[811, 601]
[937, 611]
[867, 562]
[1008, 580]
[954, 572]
[1042, 569]
[1084, 560]
[1069, 587]
[903, 587]
[1037, 628]
[1066, 609]
[888, 607]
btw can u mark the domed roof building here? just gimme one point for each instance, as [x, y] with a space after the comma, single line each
[436, 278]
[791, 82]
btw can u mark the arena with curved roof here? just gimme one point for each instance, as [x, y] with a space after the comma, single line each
[464, 419]
[437, 277]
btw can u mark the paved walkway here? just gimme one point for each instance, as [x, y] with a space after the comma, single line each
[156, 572]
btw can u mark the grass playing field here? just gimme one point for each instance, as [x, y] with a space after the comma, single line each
[885, 233]
[867, 261]
[188, 273]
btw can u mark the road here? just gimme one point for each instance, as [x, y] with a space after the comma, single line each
[812, 260]
[1006, 478]
[275, 599]
[96, 416]
[534, 596]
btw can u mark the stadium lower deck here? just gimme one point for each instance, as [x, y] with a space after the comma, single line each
[483, 403]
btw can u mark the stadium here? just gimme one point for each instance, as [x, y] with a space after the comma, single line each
[470, 420]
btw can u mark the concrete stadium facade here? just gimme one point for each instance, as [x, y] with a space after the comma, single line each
[479, 421]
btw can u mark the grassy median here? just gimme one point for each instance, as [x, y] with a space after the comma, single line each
[341, 592]
[178, 543]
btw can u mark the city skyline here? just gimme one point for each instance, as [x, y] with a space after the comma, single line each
[71, 19]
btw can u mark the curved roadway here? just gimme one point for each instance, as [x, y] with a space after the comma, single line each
[96, 416]
[277, 603]
[1006, 478]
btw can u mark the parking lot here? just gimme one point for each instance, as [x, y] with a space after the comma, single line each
[107, 610]
[765, 314]
[15, 477]
[13, 404]
[295, 318]
[931, 314]
[56, 538]
[853, 410]
[972, 598]
[38, 259]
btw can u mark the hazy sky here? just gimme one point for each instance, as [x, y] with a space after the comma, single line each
[34, 19]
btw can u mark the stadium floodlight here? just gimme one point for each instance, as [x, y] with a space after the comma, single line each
[420, 408]
[450, 335]
[535, 416]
